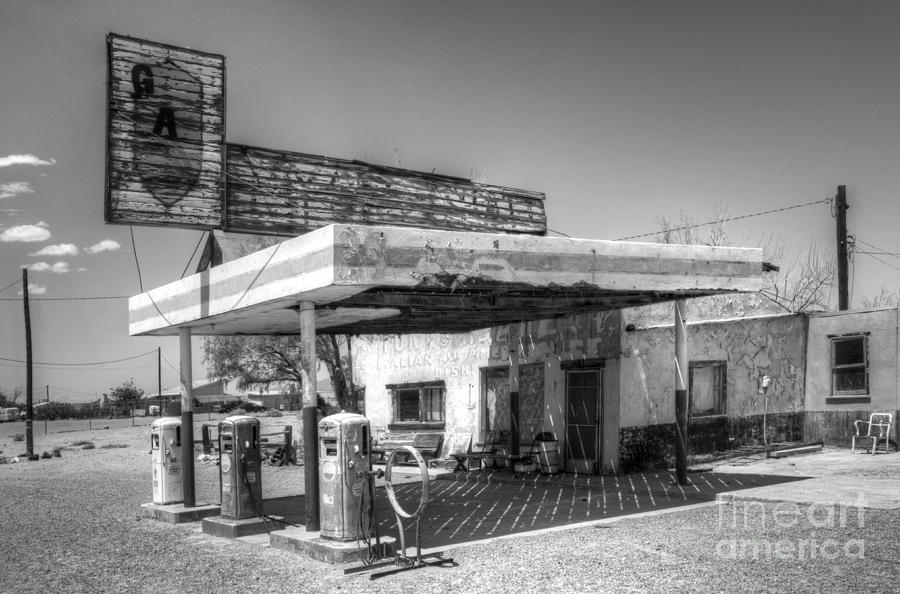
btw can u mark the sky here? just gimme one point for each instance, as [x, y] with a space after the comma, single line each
[622, 113]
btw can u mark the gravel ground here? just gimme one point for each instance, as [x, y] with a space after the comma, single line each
[72, 524]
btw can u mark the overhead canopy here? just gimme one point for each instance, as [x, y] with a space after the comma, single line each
[366, 279]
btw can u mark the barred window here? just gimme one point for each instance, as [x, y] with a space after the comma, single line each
[418, 404]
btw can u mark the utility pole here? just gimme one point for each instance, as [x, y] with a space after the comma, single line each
[840, 216]
[162, 412]
[29, 387]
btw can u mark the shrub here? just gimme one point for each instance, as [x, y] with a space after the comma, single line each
[19, 437]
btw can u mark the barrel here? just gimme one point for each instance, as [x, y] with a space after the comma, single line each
[548, 456]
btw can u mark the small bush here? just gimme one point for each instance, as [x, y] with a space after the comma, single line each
[84, 445]
[273, 413]
[113, 445]
[18, 437]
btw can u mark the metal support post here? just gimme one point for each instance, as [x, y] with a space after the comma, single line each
[681, 393]
[187, 415]
[310, 416]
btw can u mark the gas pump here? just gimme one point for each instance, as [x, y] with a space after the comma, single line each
[239, 467]
[165, 458]
[345, 466]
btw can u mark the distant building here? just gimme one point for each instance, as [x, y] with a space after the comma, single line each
[206, 394]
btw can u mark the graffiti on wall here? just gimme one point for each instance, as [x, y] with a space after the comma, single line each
[441, 356]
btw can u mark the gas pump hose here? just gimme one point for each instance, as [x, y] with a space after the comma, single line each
[259, 506]
[363, 533]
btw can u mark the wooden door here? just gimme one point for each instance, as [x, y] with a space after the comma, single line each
[583, 414]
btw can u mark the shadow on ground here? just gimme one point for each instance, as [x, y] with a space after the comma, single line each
[472, 506]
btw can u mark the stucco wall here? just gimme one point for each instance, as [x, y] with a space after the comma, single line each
[458, 359]
[392, 359]
[881, 327]
[751, 347]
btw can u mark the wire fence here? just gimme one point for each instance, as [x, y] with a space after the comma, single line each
[10, 429]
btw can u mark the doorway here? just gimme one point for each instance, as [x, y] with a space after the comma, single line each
[583, 417]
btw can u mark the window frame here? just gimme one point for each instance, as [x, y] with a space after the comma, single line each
[720, 378]
[834, 368]
[423, 422]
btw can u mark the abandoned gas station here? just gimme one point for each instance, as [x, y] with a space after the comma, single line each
[372, 251]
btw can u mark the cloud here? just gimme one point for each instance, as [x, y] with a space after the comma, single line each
[56, 267]
[107, 245]
[14, 189]
[60, 249]
[24, 160]
[34, 290]
[26, 233]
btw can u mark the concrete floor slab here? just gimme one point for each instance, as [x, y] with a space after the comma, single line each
[177, 513]
[298, 540]
[235, 528]
[870, 494]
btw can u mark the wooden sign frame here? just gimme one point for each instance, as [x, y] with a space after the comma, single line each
[168, 165]
[165, 158]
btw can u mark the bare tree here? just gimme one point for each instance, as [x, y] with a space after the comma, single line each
[884, 298]
[802, 284]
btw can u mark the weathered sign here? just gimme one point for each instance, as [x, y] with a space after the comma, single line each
[168, 165]
[287, 193]
[166, 135]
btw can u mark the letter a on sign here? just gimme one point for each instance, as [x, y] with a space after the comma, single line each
[166, 137]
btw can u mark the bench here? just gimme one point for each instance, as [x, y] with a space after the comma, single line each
[428, 445]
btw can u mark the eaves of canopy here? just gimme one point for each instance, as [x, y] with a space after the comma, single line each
[393, 280]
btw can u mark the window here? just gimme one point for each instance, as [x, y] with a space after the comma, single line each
[707, 388]
[849, 365]
[418, 405]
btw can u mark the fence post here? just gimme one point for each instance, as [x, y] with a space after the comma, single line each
[287, 448]
[207, 442]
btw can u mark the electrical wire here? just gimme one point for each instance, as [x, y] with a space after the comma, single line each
[136, 262]
[68, 298]
[11, 285]
[727, 219]
[881, 251]
[82, 364]
[888, 264]
[186, 266]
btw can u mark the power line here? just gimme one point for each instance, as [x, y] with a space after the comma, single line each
[196, 247]
[10, 285]
[727, 219]
[888, 264]
[169, 363]
[881, 251]
[81, 364]
[136, 263]
[69, 298]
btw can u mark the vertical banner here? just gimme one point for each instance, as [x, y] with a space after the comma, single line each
[166, 135]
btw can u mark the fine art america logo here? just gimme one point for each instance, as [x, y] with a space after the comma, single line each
[791, 532]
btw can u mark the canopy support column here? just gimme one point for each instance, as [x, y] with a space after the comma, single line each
[681, 393]
[514, 389]
[310, 414]
[187, 415]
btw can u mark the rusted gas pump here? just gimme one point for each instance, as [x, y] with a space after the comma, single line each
[345, 465]
[239, 467]
[165, 459]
